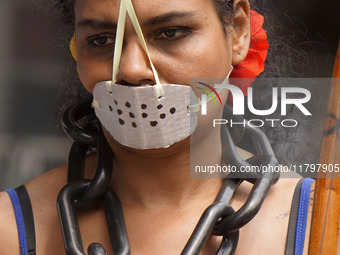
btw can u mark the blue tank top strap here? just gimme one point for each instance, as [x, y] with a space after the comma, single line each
[20, 221]
[298, 218]
[302, 216]
[24, 218]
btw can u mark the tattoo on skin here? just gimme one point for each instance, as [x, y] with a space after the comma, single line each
[282, 216]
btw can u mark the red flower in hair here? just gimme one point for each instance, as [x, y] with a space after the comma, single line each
[253, 64]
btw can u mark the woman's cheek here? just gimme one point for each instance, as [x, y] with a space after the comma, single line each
[91, 72]
[208, 60]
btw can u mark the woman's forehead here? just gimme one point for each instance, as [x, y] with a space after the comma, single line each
[145, 9]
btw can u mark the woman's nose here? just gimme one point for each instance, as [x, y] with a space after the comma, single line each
[135, 68]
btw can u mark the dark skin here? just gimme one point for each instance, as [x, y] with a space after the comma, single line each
[161, 203]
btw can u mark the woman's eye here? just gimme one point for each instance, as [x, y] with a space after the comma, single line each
[172, 33]
[100, 41]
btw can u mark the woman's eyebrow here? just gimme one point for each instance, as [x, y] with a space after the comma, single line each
[96, 24]
[167, 17]
[100, 24]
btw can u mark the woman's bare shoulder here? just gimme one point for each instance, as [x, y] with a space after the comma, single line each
[48, 185]
[43, 192]
[271, 222]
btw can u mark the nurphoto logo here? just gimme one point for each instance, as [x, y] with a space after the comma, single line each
[239, 104]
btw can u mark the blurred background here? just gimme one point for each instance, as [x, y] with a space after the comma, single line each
[31, 71]
[32, 68]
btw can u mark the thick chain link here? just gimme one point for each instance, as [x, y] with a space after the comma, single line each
[218, 219]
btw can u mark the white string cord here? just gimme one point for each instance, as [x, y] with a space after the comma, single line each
[127, 7]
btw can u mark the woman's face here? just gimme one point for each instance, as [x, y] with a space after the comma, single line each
[186, 39]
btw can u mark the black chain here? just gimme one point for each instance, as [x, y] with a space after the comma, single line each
[218, 219]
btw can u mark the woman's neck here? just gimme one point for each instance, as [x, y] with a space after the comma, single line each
[161, 178]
